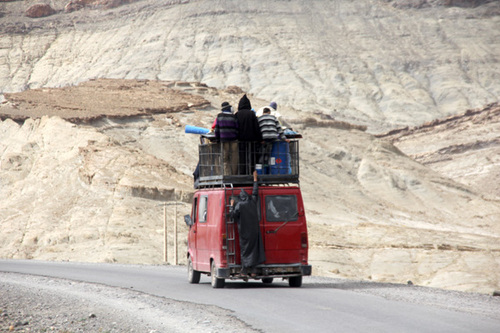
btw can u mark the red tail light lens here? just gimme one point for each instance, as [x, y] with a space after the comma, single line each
[303, 239]
[224, 241]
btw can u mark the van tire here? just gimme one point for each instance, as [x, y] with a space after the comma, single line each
[193, 276]
[267, 280]
[216, 282]
[295, 281]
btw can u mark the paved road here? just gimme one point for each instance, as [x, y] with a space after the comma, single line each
[321, 305]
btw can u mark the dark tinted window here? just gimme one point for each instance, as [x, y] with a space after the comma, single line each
[195, 210]
[281, 208]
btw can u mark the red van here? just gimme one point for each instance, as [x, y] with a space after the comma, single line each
[213, 242]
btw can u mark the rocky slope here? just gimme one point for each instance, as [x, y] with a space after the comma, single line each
[464, 147]
[92, 189]
[378, 63]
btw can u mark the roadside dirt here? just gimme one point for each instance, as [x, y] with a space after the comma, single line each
[40, 304]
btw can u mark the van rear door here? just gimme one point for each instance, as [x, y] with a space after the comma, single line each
[284, 227]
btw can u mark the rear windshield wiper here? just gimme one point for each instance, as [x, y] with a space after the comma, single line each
[278, 228]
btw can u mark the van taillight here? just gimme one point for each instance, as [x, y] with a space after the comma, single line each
[303, 239]
[224, 241]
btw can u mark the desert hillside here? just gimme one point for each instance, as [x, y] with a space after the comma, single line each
[95, 102]
[464, 147]
[78, 184]
[385, 64]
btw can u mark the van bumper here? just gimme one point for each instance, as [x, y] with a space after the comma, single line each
[270, 270]
[306, 269]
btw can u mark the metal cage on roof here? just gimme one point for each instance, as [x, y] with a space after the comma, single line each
[234, 163]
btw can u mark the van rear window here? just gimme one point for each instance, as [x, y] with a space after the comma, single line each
[281, 208]
[202, 212]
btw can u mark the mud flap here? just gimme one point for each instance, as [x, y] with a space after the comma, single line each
[223, 273]
[306, 269]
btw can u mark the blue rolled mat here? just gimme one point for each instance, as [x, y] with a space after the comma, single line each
[196, 130]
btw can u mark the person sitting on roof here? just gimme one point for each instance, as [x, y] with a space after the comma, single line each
[226, 131]
[271, 131]
[249, 136]
[273, 106]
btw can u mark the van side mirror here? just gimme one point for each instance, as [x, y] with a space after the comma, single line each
[187, 219]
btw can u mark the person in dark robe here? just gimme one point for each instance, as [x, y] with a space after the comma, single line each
[246, 215]
[249, 136]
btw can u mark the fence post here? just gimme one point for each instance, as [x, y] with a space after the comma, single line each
[165, 232]
[165, 257]
[175, 236]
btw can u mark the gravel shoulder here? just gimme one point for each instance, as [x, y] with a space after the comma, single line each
[40, 304]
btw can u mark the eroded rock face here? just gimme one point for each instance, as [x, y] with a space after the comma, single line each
[106, 4]
[464, 147]
[464, 3]
[409, 3]
[40, 10]
[113, 3]
[74, 5]
[371, 65]
[417, 4]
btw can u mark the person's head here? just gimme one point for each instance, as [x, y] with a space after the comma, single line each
[266, 110]
[243, 195]
[274, 105]
[244, 103]
[226, 107]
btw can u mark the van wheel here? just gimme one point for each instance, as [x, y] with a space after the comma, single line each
[295, 281]
[267, 280]
[216, 282]
[193, 276]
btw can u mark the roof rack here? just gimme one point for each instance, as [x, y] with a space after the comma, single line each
[277, 163]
